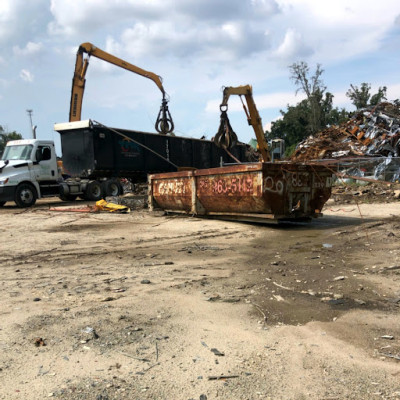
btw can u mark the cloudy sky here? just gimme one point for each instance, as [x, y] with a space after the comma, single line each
[197, 46]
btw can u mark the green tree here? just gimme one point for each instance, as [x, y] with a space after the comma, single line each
[314, 88]
[6, 137]
[293, 125]
[309, 116]
[361, 96]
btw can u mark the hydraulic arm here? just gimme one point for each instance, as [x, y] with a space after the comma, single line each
[225, 136]
[164, 123]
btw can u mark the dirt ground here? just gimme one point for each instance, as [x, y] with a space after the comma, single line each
[139, 306]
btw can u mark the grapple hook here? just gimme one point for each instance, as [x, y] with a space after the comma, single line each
[225, 137]
[164, 123]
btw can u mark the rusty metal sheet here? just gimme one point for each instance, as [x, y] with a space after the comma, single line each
[274, 190]
[230, 191]
[173, 193]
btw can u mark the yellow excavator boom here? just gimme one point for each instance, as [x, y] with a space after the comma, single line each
[78, 83]
[253, 118]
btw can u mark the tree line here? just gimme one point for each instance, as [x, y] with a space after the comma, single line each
[316, 111]
[6, 136]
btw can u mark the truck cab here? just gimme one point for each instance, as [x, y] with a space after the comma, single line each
[28, 171]
[277, 149]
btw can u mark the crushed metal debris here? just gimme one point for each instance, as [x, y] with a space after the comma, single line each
[373, 132]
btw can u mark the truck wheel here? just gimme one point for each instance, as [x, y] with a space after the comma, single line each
[93, 191]
[111, 187]
[2, 203]
[65, 195]
[25, 195]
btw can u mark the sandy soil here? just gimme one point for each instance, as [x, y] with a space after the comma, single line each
[140, 306]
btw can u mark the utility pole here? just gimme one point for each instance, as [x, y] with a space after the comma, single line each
[30, 119]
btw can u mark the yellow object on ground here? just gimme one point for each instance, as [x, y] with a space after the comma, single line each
[103, 205]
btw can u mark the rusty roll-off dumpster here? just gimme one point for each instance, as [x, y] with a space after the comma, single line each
[249, 192]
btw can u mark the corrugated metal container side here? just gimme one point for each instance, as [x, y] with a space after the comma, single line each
[266, 190]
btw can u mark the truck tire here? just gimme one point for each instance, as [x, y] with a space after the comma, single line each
[68, 197]
[25, 195]
[93, 191]
[111, 187]
[2, 203]
[65, 195]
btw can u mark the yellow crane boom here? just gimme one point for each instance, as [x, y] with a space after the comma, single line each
[225, 136]
[164, 123]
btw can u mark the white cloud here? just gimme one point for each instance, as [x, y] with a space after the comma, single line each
[341, 100]
[26, 75]
[174, 28]
[112, 46]
[293, 47]
[342, 12]
[76, 17]
[21, 20]
[268, 125]
[6, 15]
[335, 30]
[214, 30]
[31, 48]
[224, 42]
[393, 91]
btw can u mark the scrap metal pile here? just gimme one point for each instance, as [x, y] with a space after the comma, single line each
[370, 132]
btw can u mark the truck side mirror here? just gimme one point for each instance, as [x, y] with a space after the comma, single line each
[39, 155]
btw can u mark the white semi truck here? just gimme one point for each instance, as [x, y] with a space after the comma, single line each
[29, 171]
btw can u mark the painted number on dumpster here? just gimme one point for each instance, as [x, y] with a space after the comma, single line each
[299, 179]
[273, 185]
[171, 187]
[204, 184]
[232, 185]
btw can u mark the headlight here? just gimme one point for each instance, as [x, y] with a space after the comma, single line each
[3, 182]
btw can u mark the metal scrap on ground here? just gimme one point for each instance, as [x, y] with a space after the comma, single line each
[373, 133]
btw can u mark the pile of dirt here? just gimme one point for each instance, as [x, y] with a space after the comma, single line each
[373, 131]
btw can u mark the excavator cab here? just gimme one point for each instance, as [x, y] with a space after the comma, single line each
[277, 149]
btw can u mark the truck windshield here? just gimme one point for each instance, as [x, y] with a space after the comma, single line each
[20, 152]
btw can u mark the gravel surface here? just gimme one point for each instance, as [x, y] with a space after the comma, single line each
[146, 306]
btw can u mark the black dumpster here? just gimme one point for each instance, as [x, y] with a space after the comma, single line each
[90, 150]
